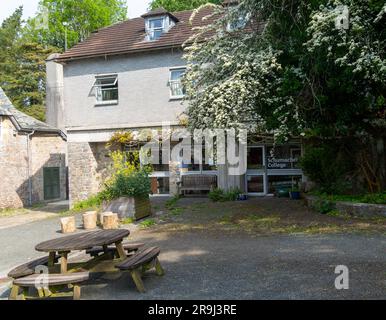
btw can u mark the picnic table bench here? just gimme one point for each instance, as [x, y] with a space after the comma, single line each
[29, 267]
[45, 282]
[141, 262]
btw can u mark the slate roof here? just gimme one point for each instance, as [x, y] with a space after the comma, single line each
[158, 12]
[22, 121]
[130, 36]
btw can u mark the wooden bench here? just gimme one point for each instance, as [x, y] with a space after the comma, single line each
[51, 281]
[29, 267]
[198, 183]
[141, 262]
[128, 247]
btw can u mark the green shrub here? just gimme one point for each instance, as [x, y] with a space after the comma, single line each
[327, 166]
[134, 184]
[232, 194]
[217, 195]
[324, 206]
[93, 202]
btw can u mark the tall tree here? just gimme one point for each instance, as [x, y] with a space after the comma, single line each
[180, 5]
[22, 67]
[63, 23]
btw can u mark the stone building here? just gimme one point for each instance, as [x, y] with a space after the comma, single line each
[32, 159]
[128, 77]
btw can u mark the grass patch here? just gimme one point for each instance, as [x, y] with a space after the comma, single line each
[147, 223]
[12, 212]
[94, 202]
[128, 221]
[171, 203]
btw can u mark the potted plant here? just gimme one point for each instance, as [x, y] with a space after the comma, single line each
[127, 191]
[295, 192]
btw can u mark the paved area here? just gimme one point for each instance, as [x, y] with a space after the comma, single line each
[221, 264]
[26, 216]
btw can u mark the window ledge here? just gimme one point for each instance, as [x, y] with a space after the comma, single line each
[106, 103]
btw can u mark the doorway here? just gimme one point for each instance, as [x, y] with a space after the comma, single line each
[51, 177]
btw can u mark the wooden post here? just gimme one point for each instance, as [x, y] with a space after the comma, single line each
[68, 224]
[136, 275]
[110, 221]
[14, 292]
[158, 268]
[120, 250]
[76, 292]
[51, 259]
[63, 262]
[90, 220]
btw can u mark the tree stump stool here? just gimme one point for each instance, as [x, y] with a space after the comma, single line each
[68, 224]
[90, 220]
[110, 221]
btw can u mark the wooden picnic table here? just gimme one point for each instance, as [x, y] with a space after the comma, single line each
[82, 241]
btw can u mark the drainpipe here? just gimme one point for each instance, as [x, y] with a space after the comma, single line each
[29, 135]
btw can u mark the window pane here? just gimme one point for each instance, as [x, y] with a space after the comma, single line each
[276, 182]
[106, 81]
[106, 88]
[177, 74]
[176, 87]
[109, 94]
[255, 184]
[283, 157]
[155, 34]
[255, 158]
[156, 23]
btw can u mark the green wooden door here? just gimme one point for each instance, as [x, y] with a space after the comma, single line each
[51, 183]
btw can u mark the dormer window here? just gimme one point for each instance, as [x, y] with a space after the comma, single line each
[156, 27]
[158, 22]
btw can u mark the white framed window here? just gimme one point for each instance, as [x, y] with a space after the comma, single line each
[238, 23]
[177, 90]
[106, 89]
[155, 28]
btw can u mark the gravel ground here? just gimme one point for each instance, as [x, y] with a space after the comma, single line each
[210, 264]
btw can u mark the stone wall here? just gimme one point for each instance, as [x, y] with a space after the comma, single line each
[350, 208]
[88, 166]
[13, 166]
[46, 151]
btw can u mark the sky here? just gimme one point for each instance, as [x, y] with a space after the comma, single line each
[7, 7]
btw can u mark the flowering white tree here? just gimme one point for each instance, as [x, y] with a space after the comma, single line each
[314, 68]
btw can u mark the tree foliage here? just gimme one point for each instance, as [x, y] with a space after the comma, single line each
[77, 18]
[22, 67]
[293, 71]
[180, 5]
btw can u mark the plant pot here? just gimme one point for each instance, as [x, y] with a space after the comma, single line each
[295, 195]
[282, 192]
[242, 197]
[129, 207]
